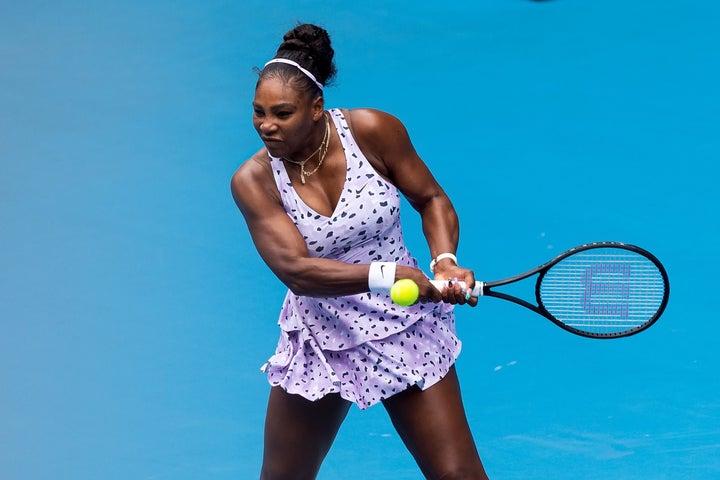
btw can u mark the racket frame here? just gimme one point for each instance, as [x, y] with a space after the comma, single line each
[486, 289]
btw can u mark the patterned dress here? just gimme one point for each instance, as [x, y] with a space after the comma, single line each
[362, 346]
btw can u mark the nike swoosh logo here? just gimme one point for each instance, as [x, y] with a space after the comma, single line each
[382, 270]
[358, 190]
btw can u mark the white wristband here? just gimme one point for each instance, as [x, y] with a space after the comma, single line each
[381, 276]
[441, 257]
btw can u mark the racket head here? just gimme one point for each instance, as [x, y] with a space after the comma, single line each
[603, 290]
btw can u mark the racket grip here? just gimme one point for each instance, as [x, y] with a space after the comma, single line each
[476, 292]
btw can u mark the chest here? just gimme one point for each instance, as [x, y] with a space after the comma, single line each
[367, 212]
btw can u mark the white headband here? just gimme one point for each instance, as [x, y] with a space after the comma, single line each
[296, 65]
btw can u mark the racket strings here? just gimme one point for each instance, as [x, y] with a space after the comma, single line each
[603, 291]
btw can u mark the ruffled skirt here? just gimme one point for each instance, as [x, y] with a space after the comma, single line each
[370, 372]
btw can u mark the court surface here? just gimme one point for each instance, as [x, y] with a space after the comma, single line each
[135, 313]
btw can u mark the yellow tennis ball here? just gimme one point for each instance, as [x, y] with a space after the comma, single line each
[404, 292]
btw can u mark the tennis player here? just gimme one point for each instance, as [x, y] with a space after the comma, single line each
[322, 202]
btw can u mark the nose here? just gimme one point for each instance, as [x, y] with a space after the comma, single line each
[266, 126]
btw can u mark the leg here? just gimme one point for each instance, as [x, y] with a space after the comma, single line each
[299, 433]
[433, 425]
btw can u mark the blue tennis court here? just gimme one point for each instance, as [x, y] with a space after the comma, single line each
[135, 312]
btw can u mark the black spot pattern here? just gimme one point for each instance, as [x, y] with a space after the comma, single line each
[362, 346]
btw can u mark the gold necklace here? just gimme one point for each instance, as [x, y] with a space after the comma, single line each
[322, 150]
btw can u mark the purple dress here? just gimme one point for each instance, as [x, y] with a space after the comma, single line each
[362, 346]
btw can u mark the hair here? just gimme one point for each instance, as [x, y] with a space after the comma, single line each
[309, 46]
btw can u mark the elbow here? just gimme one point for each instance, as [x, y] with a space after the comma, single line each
[298, 287]
[300, 281]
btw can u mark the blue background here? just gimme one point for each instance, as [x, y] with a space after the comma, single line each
[135, 313]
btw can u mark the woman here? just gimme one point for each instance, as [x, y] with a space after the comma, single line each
[321, 202]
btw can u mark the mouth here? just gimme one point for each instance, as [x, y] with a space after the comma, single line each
[274, 146]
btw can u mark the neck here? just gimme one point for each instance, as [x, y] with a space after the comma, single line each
[317, 154]
[313, 145]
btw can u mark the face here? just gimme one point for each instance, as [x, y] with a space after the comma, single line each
[285, 117]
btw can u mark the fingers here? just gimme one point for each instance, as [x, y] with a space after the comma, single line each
[429, 293]
[470, 285]
[458, 290]
[454, 292]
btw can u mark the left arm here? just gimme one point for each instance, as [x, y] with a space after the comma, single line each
[387, 145]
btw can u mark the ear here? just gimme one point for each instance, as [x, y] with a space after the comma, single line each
[318, 107]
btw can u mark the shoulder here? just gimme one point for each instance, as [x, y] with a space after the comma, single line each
[254, 170]
[378, 134]
[371, 122]
[254, 180]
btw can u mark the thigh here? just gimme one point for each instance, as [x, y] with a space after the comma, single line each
[299, 433]
[433, 426]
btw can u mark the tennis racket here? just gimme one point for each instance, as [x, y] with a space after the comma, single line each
[598, 290]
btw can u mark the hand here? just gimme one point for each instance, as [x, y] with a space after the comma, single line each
[454, 274]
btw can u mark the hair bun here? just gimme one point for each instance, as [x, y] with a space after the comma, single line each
[310, 46]
[294, 44]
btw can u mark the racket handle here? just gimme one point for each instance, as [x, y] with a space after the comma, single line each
[476, 292]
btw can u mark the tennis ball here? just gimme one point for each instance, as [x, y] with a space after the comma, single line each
[404, 292]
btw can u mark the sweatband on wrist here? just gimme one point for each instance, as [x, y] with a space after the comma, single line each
[442, 256]
[381, 276]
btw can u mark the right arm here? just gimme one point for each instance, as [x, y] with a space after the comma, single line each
[281, 245]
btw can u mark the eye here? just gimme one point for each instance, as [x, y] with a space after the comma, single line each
[284, 114]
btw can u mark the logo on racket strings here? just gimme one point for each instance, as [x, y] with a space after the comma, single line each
[607, 289]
